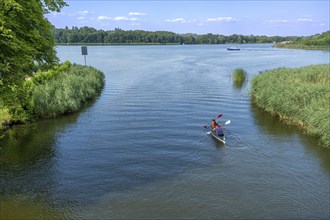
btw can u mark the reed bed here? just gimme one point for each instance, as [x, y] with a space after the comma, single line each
[239, 75]
[298, 96]
[66, 92]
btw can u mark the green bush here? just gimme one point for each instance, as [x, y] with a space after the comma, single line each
[66, 93]
[5, 118]
[239, 75]
[299, 95]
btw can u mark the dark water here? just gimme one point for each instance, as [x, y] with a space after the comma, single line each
[140, 150]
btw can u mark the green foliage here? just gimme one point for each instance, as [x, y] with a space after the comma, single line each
[318, 41]
[48, 94]
[25, 41]
[239, 78]
[300, 96]
[42, 77]
[65, 94]
[5, 118]
[25, 36]
[239, 75]
[85, 35]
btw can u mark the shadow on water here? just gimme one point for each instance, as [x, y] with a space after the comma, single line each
[25, 145]
[28, 157]
[272, 125]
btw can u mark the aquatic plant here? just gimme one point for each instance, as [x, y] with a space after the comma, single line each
[298, 96]
[239, 75]
[239, 78]
[65, 93]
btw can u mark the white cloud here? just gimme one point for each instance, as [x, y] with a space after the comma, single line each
[103, 18]
[137, 14]
[222, 19]
[121, 18]
[81, 18]
[79, 13]
[304, 20]
[124, 18]
[177, 20]
[83, 13]
[135, 24]
[278, 21]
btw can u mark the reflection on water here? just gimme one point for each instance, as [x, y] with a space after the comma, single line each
[27, 207]
[271, 125]
[28, 161]
[239, 84]
[28, 144]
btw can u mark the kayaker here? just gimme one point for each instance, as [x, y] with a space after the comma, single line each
[213, 123]
[216, 126]
[220, 130]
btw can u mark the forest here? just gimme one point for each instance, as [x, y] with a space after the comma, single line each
[88, 35]
[317, 41]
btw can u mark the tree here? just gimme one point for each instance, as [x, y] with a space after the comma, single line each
[25, 35]
[25, 40]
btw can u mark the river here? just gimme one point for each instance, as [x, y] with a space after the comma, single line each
[140, 150]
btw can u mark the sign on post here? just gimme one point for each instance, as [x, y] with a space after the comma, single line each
[84, 52]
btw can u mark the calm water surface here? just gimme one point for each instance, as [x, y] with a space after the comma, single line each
[140, 150]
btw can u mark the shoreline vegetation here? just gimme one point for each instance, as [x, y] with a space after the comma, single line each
[298, 96]
[314, 42]
[91, 36]
[48, 94]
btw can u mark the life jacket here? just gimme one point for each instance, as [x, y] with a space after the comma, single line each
[219, 130]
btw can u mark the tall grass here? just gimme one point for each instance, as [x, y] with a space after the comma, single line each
[66, 92]
[300, 96]
[239, 75]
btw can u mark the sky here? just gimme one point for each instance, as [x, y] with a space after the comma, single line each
[245, 17]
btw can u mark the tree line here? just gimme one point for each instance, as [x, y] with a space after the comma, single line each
[119, 36]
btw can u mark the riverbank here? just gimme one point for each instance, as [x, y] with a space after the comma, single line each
[301, 46]
[297, 96]
[49, 94]
[315, 42]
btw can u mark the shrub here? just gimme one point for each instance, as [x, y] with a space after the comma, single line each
[5, 118]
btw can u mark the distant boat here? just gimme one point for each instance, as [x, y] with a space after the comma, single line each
[233, 48]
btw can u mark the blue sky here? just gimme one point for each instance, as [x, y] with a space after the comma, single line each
[270, 18]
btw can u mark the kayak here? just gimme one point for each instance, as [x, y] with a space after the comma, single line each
[214, 134]
[219, 138]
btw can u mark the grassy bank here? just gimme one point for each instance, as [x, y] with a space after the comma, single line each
[314, 42]
[297, 95]
[61, 90]
[64, 92]
[301, 46]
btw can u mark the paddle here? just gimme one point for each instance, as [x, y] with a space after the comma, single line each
[206, 126]
[227, 122]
